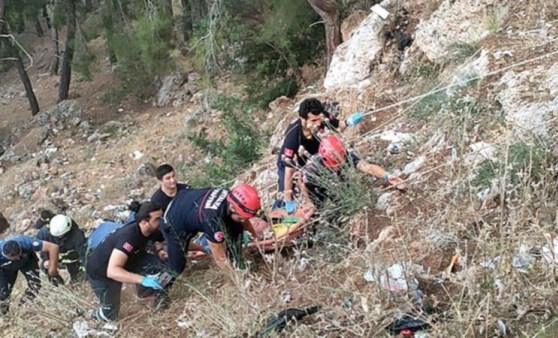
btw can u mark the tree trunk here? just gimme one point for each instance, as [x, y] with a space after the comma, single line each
[167, 4]
[55, 61]
[186, 19]
[27, 84]
[39, 28]
[53, 67]
[66, 73]
[13, 52]
[329, 12]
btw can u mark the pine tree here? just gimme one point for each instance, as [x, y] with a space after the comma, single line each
[9, 46]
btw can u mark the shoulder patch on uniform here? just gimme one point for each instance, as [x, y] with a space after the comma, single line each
[128, 247]
[219, 236]
[288, 152]
[35, 243]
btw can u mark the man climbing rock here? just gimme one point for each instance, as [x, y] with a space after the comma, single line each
[334, 158]
[302, 140]
[220, 214]
[169, 186]
[65, 233]
[18, 254]
[122, 258]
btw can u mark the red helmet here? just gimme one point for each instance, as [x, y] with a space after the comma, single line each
[245, 200]
[332, 151]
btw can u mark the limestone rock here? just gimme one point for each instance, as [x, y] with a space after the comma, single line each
[351, 62]
[170, 85]
[454, 22]
[26, 190]
[527, 111]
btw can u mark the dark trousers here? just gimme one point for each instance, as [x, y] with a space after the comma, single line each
[30, 270]
[71, 262]
[177, 247]
[278, 204]
[108, 291]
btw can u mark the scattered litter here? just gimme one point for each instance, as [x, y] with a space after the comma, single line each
[523, 259]
[392, 279]
[414, 166]
[480, 152]
[303, 264]
[82, 330]
[550, 255]
[286, 297]
[137, 154]
[502, 330]
[396, 137]
[384, 201]
[394, 148]
[380, 11]
[368, 276]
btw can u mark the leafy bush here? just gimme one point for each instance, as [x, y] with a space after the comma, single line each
[232, 155]
[524, 163]
[459, 52]
[83, 57]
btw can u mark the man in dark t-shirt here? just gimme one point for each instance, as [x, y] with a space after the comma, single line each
[302, 140]
[325, 171]
[122, 258]
[169, 186]
[220, 214]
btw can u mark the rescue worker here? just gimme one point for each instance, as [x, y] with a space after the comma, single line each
[121, 257]
[18, 254]
[302, 140]
[64, 232]
[169, 187]
[333, 158]
[45, 216]
[220, 214]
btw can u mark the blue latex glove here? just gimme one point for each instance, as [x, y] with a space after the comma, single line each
[151, 282]
[354, 119]
[290, 206]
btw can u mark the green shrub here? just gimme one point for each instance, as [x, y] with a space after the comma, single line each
[524, 163]
[261, 94]
[83, 57]
[429, 105]
[459, 52]
[232, 155]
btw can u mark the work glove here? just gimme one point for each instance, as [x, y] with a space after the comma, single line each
[354, 119]
[151, 282]
[290, 206]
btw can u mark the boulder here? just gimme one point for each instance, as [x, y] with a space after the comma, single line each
[527, 111]
[351, 61]
[26, 190]
[170, 85]
[454, 22]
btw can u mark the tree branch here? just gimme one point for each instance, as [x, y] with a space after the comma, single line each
[14, 41]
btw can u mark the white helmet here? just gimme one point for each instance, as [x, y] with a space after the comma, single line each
[60, 225]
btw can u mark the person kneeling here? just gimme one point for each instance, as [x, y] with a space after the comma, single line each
[122, 258]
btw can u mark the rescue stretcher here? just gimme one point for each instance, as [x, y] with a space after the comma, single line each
[281, 231]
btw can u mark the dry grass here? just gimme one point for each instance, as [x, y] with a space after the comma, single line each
[440, 216]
